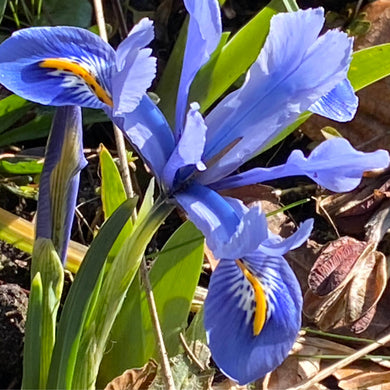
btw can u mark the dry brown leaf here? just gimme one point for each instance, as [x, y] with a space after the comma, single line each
[363, 376]
[228, 384]
[345, 285]
[351, 211]
[367, 287]
[135, 379]
[294, 369]
[324, 346]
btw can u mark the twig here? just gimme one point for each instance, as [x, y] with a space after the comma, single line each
[342, 363]
[166, 368]
[190, 353]
[125, 173]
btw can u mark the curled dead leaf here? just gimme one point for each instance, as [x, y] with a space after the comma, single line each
[135, 379]
[345, 285]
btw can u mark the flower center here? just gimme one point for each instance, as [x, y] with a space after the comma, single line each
[76, 69]
[260, 299]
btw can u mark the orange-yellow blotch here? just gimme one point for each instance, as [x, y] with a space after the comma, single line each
[260, 299]
[66, 65]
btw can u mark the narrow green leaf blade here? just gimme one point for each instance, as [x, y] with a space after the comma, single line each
[20, 166]
[369, 65]
[113, 193]
[174, 277]
[31, 362]
[77, 302]
[12, 108]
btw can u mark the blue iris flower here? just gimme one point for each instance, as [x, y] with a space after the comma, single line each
[252, 313]
[71, 66]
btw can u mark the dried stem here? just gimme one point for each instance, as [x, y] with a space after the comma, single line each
[125, 173]
[342, 363]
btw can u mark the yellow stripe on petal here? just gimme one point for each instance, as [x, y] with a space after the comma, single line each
[260, 299]
[66, 65]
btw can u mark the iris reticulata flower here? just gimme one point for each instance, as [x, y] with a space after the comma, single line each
[72, 66]
[252, 313]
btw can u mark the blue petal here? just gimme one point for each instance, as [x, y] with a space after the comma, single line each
[251, 231]
[136, 68]
[189, 149]
[295, 69]
[277, 246]
[204, 34]
[340, 104]
[60, 176]
[229, 305]
[23, 55]
[210, 213]
[148, 131]
[334, 164]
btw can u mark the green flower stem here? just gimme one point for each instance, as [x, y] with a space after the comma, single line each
[114, 287]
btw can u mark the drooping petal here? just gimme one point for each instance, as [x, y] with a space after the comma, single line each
[250, 232]
[210, 213]
[293, 71]
[58, 66]
[136, 68]
[204, 34]
[277, 246]
[148, 131]
[230, 308]
[334, 164]
[340, 104]
[189, 149]
[59, 181]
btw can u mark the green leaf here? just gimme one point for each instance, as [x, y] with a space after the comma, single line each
[31, 362]
[174, 277]
[79, 297]
[234, 59]
[113, 194]
[115, 285]
[39, 127]
[3, 5]
[65, 13]
[20, 166]
[12, 108]
[369, 65]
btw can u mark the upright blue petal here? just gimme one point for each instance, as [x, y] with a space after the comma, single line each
[210, 212]
[204, 34]
[334, 164]
[189, 149]
[148, 131]
[60, 176]
[340, 104]
[135, 68]
[242, 352]
[58, 66]
[293, 71]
